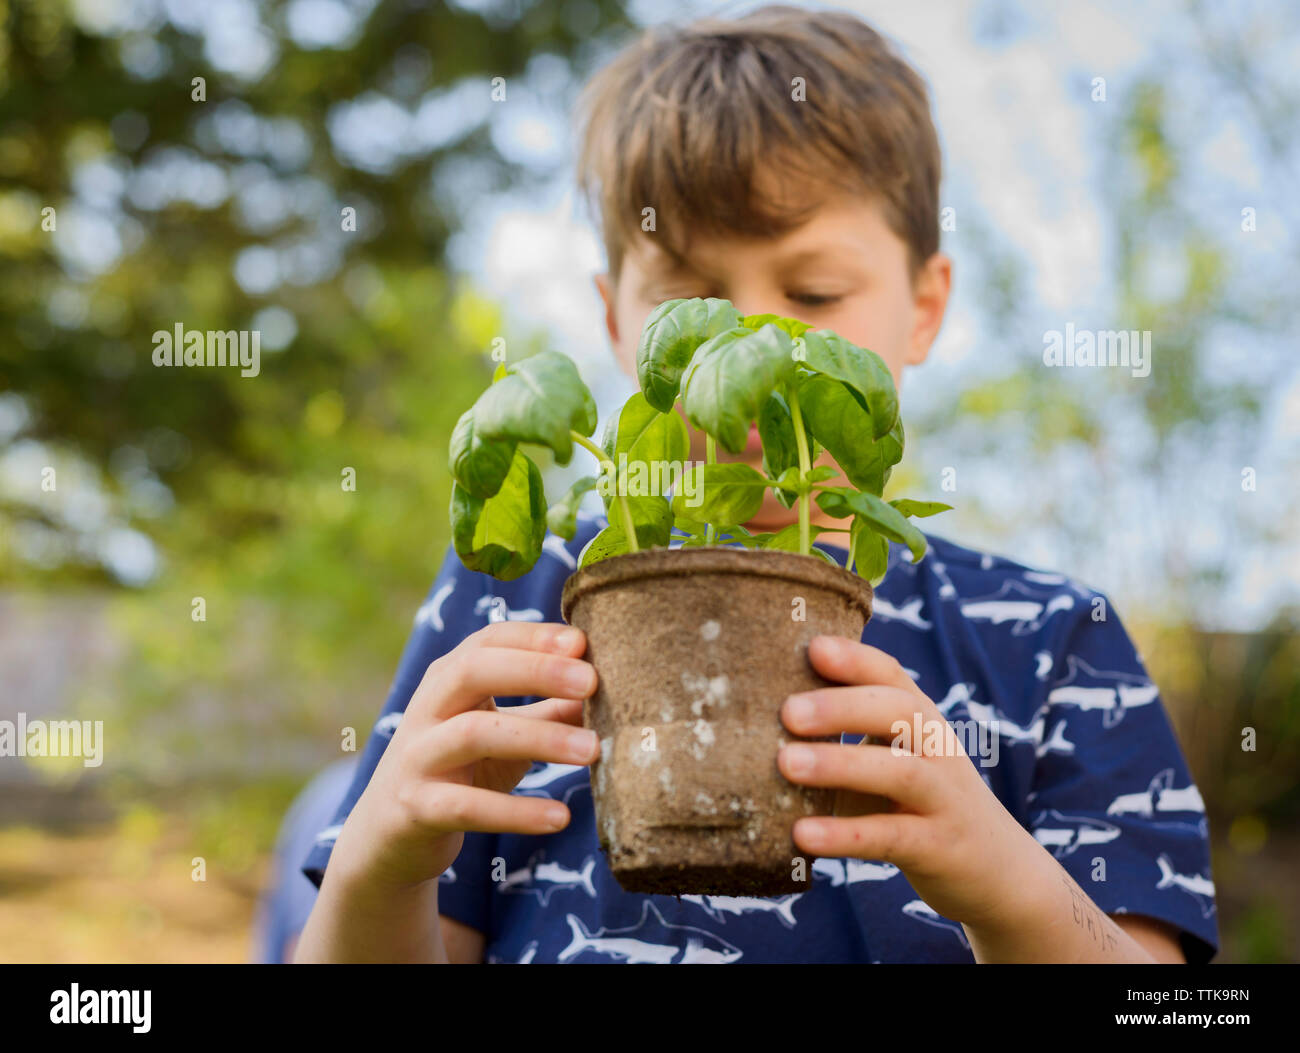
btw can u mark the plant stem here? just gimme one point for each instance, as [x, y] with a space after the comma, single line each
[629, 527]
[710, 457]
[805, 466]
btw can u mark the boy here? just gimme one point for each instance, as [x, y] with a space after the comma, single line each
[792, 166]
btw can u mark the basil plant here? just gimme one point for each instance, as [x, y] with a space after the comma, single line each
[806, 390]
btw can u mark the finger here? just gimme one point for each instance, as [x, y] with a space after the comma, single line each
[893, 838]
[462, 679]
[564, 710]
[871, 710]
[444, 807]
[882, 770]
[851, 662]
[555, 637]
[478, 734]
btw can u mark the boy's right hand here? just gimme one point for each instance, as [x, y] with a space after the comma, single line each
[455, 757]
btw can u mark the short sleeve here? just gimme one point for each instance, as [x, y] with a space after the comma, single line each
[452, 610]
[1112, 797]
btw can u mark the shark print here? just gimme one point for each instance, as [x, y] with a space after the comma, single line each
[1025, 609]
[538, 783]
[652, 940]
[999, 647]
[718, 907]
[1201, 889]
[1125, 691]
[919, 910]
[431, 613]
[1045, 663]
[497, 611]
[851, 871]
[554, 546]
[554, 876]
[1056, 742]
[961, 696]
[1069, 832]
[909, 613]
[1159, 796]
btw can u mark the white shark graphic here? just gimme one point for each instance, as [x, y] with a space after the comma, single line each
[909, 613]
[431, 611]
[963, 694]
[717, 907]
[329, 835]
[387, 724]
[1126, 691]
[1056, 742]
[651, 940]
[1017, 603]
[947, 590]
[852, 871]
[922, 911]
[1199, 888]
[1045, 663]
[1062, 834]
[448, 875]
[554, 546]
[1159, 796]
[553, 875]
[537, 783]
[497, 610]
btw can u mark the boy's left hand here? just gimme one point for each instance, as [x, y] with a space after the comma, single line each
[962, 851]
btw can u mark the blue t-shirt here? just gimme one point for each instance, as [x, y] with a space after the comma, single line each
[1086, 761]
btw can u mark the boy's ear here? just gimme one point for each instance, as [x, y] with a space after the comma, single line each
[930, 301]
[608, 293]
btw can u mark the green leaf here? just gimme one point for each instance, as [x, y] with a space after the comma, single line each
[562, 517]
[645, 434]
[844, 427]
[820, 473]
[540, 400]
[502, 535]
[791, 325]
[879, 516]
[864, 371]
[776, 430]
[477, 464]
[787, 539]
[731, 376]
[725, 493]
[670, 337]
[870, 551]
[609, 542]
[652, 519]
[920, 509]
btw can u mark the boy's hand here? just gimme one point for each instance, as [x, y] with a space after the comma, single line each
[962, 851]
[455, 757]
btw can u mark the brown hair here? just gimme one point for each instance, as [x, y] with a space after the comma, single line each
[689, 119]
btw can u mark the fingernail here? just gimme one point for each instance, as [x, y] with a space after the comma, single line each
[556, 817]
[581, 680]
[800, 709]
[581, 744]
[567, 639]
[798, 760]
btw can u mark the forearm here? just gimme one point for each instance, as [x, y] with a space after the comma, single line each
[350, 924]
[1050, 919]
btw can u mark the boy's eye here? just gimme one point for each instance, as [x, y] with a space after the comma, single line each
[812, 299]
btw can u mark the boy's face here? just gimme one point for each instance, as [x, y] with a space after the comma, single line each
[844, 269]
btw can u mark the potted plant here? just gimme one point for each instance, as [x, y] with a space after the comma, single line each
[696, 646]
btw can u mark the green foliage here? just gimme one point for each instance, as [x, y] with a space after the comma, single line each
[800, 387]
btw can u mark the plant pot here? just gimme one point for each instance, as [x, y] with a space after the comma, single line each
[696, 650]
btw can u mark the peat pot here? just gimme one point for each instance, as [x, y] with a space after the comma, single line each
[696, 649]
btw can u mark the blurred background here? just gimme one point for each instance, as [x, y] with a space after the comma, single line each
[1108, 166]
